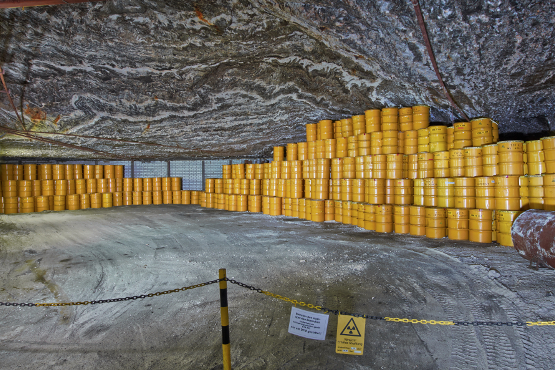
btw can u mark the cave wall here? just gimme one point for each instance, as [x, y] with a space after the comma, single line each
[231, 79]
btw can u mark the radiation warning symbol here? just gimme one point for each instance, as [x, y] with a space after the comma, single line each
[350, 335]
[351, 329]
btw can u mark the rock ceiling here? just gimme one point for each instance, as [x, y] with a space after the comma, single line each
[231, 79]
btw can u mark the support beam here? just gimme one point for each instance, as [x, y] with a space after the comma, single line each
[26, 3]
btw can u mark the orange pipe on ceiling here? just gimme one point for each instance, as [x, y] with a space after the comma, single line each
[26, 3]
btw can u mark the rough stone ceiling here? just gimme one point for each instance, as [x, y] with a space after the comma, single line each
[234, 78]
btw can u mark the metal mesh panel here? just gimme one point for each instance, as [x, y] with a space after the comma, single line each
[151, 169]
[190, 173]
[213, 169]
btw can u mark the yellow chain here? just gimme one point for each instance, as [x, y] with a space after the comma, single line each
[415, 321]
[294, 301]
[540, 323]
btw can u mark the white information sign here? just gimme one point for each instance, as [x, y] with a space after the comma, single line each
[308, 324]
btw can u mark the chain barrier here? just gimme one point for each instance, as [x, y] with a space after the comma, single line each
[288, 300]
[100, 301]
[394, 319]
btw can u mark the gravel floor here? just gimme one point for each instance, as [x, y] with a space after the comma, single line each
[127, 251]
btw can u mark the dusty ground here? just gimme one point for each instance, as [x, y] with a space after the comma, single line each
[124, 251]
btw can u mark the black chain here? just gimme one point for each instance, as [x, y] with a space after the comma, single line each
[100, 301]
[337, 312]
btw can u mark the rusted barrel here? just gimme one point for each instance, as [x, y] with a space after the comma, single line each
[533, 234]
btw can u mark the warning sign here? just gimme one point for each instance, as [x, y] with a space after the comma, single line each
[308, 324]
[350, 335]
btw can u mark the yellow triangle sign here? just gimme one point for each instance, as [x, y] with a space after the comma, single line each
[350, 335]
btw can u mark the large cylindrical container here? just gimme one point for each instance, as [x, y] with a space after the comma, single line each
[480, 225]
[41, 203]
[60, 187]
[436, 223]
[98, 173]
[482, 131]
[138, 184]
[485, 192]
[401, 218]
[24, 188]
[457, 224]
[292, 153]
[302, 151]
[77, 171]
[430, 192]
[456, 163]
[373, 120]
[109, 171]
[60, 203]
[58, 172]
[186, 197]
[376, 142]
[102, 186]
[420, 117]
[441, 164]
[511, 158]
[374, 191]
[146, 198]
[405, 119]
[45, 172]
[107, 200]
[462, 135]
[384, 218]
[533, 233]
[47, 187]
[446, 192]
[465, 192]
[255, 203]
[26, 204]
[29, 172]
[6, 172]
[127, 198]
[157, 197]
[403, 191]
[9, 188]
[507, 193]
[167, 198]
[157, 184]
[137, 198]
[37, 187]
[117, 199]
[425, 165]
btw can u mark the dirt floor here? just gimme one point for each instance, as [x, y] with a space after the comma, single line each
[134, 250]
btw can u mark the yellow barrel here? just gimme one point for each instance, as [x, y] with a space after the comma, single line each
[101, 186]
[60, 187]
[425, 165]
[29, 172]
[146, 197]
[58, 172]
[10, 205]
[255, 203]
[186, 197]
[156, 184]
[26, 204]
[77, 171]
[6, 172]
[98, 174]
[417, 220]
[60, 203]
[45, 172]
[47, 187]
[127, 198]
[167, 198]
[374, 191]
[36, 186]
[346, 189]
[127, 184]
[84, 201]
[117, 199]
[373, 120]
[302, 151]
[109, 171]
[279, 153]
[292, 153]
[41, 203]
[210, 185]
[138, 184]
[275, 206]
[158, 198]
[384, 218]
[349, 170]
[107, 200]
[420, 117]
[147, 184]
[363, 144]
[89, 171]
[69, 171]
[166, 184]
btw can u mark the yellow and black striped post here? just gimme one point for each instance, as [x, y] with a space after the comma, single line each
[225, 321]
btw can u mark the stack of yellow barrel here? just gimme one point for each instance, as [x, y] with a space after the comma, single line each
[389, 171]
[57, 187]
